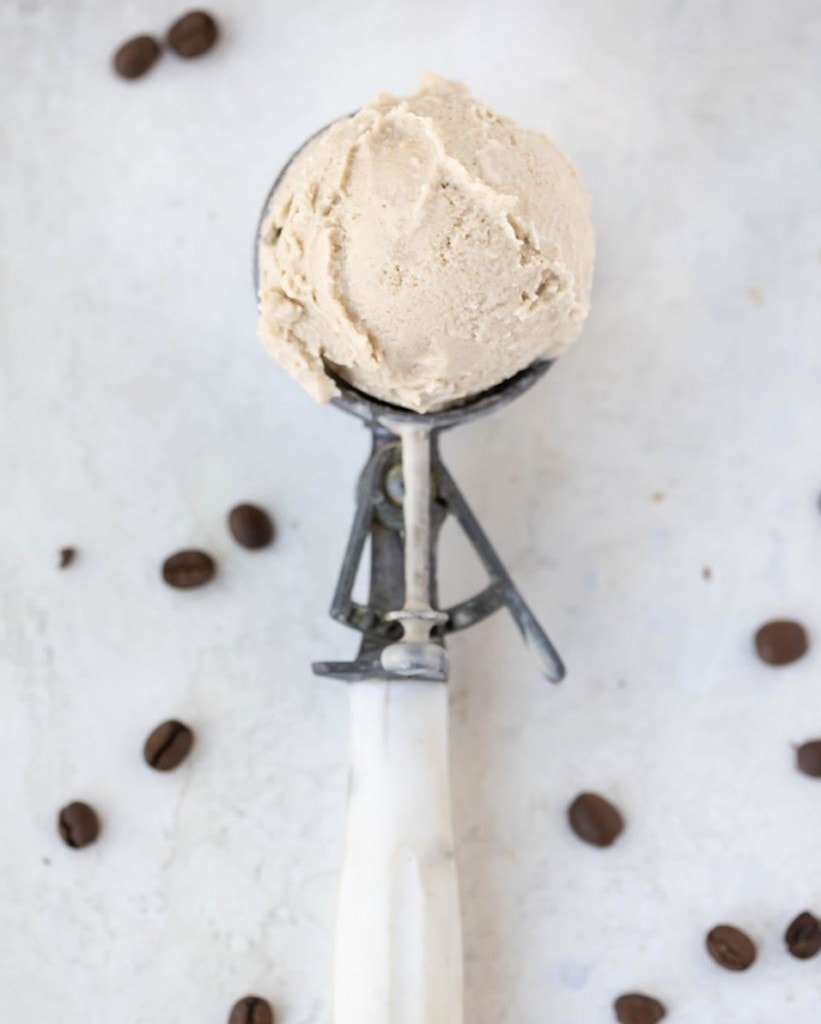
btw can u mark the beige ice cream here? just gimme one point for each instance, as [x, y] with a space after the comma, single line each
[424, 250]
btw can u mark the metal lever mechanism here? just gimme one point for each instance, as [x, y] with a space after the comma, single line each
[380, 517]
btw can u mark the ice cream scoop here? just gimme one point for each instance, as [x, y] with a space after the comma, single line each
[398, 950]
[424, 250]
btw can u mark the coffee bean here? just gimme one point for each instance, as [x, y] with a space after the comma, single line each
[67, 556]
[731, 948]
[193, 34]
[808, 758]
[168, 745]
[137, 56]
[252, 1010]
[781, 642]
[251, 526]
[635, 1008]
[595, 820]
[188, 569]
[803, 936]
[78, 824]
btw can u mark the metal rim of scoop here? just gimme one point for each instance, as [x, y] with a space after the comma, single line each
[370, 409]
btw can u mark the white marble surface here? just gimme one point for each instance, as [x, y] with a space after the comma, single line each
[136, 407]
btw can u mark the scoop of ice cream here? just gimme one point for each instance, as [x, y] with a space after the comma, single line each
[424, 250]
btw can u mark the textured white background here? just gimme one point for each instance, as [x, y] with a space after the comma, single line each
[136, 407]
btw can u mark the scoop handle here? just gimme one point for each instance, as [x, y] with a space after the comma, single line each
[398, 955]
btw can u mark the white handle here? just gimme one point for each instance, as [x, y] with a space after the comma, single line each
[398, 957]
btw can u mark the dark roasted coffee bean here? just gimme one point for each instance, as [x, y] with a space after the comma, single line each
[78, 824]
[188, 569]
[635, 1008]
[252, 1010]
[808, 758]
[595, 820]
[193, 34]
[781, 642]
[803, 936]
[67, 556]
[136, 56]
[731, 948]
[251, 526]
[168, 745]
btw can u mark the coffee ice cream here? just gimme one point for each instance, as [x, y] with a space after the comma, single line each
[424, 250]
